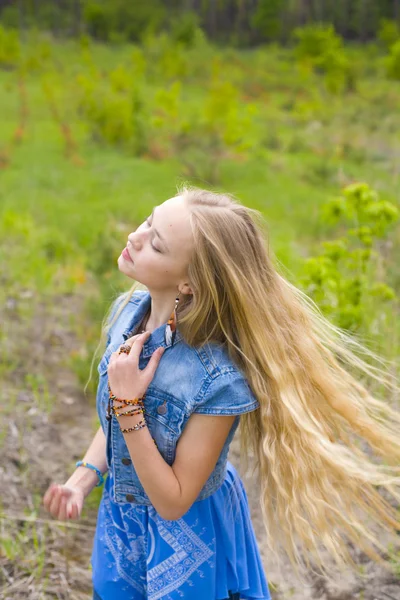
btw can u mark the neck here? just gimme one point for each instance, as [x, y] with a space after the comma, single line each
[160, 310]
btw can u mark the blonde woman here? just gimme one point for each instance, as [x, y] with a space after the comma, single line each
[219, 338]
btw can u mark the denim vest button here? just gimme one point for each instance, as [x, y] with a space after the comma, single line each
[130, 497]
[126, 461]
[162, 409]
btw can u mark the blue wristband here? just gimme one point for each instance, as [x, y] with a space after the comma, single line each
[95, 469]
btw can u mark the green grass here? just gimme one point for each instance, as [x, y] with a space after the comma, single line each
[63, 224]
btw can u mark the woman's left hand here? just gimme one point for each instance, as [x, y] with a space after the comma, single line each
[126, 379]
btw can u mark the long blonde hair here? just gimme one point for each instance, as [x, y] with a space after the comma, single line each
[318, 483]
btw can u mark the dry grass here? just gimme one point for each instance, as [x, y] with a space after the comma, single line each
[47, 426]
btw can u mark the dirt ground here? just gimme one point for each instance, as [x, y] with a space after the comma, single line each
[47, 425]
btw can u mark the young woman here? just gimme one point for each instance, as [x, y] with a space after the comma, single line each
[226, 340]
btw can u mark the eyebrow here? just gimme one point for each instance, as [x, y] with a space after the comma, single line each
[157, 232]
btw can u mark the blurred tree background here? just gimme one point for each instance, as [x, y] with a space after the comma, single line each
[239, 22]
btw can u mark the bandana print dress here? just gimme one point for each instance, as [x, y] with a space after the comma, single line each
[206, 554]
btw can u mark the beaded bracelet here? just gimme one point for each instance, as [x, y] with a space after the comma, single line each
[95, 469]
[135, 411]
[139, 425]
[111, 398]
[137, 402]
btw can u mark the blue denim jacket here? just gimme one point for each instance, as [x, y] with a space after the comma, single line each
[187, 380]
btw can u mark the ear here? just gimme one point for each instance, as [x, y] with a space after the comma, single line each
[187, 290]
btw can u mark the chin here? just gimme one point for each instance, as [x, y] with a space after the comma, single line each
[124, 267]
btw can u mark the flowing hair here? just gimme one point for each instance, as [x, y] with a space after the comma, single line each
[313, 437]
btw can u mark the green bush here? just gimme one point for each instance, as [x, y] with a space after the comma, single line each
[320, 46]
[10, 49]
[315, 40]
[267, 18]
[185, 29]
[343, 278]
[114, 110]
[119, 20]
[393, 62]
[388, 33]
[98, 20]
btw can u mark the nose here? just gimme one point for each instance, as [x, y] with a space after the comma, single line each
[134, 240]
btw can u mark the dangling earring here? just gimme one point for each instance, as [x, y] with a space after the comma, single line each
[170, 330]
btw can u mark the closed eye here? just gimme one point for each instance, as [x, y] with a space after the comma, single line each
[154, 248]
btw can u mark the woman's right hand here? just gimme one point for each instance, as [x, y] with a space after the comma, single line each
[64, 502]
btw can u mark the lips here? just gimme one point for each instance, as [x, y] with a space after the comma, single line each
[126, 255]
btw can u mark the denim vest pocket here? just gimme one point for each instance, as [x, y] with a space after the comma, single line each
[164, 415]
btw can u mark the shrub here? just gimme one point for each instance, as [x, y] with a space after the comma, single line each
[319, 45]
[393, 62]
[314, 40]
[10, 49]
[388, 33]
[342, 279]
[185, 29]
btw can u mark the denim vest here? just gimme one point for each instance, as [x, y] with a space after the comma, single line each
[187, 380]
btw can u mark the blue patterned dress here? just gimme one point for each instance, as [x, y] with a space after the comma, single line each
[206, 554]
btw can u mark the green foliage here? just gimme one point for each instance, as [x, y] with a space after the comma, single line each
[321, 47]
[315, 40]
[267, 18]
[221, 127]
[114, 108]
[388, 33]
[10, 48]
[185, 29]
[10, 17]
[97, 20]
[166, 59]
[393, 62]
[120, 20]
[239, 23]
[342, 278]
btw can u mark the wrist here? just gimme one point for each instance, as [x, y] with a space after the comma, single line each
[83, 478]
[130, 420]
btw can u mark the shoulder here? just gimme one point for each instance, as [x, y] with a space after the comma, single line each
[225, 389]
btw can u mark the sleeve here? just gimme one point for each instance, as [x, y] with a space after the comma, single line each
[227, 394]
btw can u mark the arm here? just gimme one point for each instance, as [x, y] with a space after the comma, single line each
[85, 478]
[173, 489]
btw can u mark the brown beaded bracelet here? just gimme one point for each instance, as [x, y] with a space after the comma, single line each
[138, 402]
[132, 402]
[135, 411]
[139, 425]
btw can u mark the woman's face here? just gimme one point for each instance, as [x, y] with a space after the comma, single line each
[160, 247]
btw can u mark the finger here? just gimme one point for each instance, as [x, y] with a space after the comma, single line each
[71, 510]
[136, 348]
[55, 502]
[128, 342]
[62, 512]
[132, 339]
[75, 511]
[48, 495]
